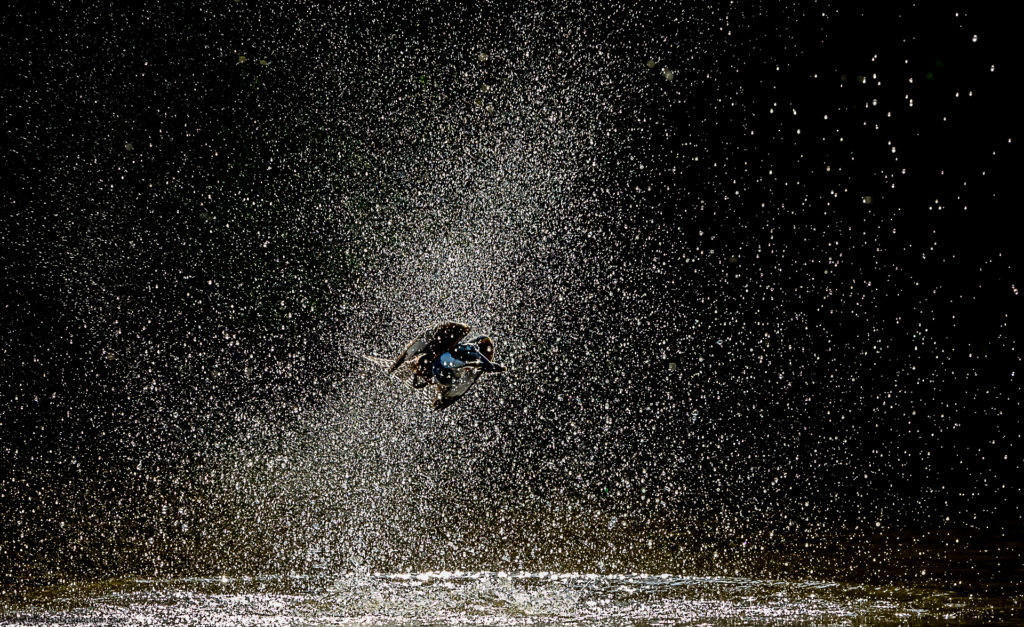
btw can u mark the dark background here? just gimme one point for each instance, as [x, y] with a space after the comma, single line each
[780, 327]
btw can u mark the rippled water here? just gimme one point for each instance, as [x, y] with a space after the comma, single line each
[494, 598]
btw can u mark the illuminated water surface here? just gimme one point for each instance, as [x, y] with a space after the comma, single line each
[494, 598]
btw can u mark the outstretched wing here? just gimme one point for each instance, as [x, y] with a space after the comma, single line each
[432, 342]
[380, 362]
[405, 375]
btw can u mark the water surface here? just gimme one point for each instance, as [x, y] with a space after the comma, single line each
[496, 598]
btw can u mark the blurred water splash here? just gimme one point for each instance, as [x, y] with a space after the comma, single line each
[314, 207]
[495, 598]
[729, 351]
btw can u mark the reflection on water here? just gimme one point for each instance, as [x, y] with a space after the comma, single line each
[493, 598]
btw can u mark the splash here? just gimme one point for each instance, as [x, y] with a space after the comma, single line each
[723, 349]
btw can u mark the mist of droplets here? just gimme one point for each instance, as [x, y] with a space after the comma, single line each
[713, 340]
